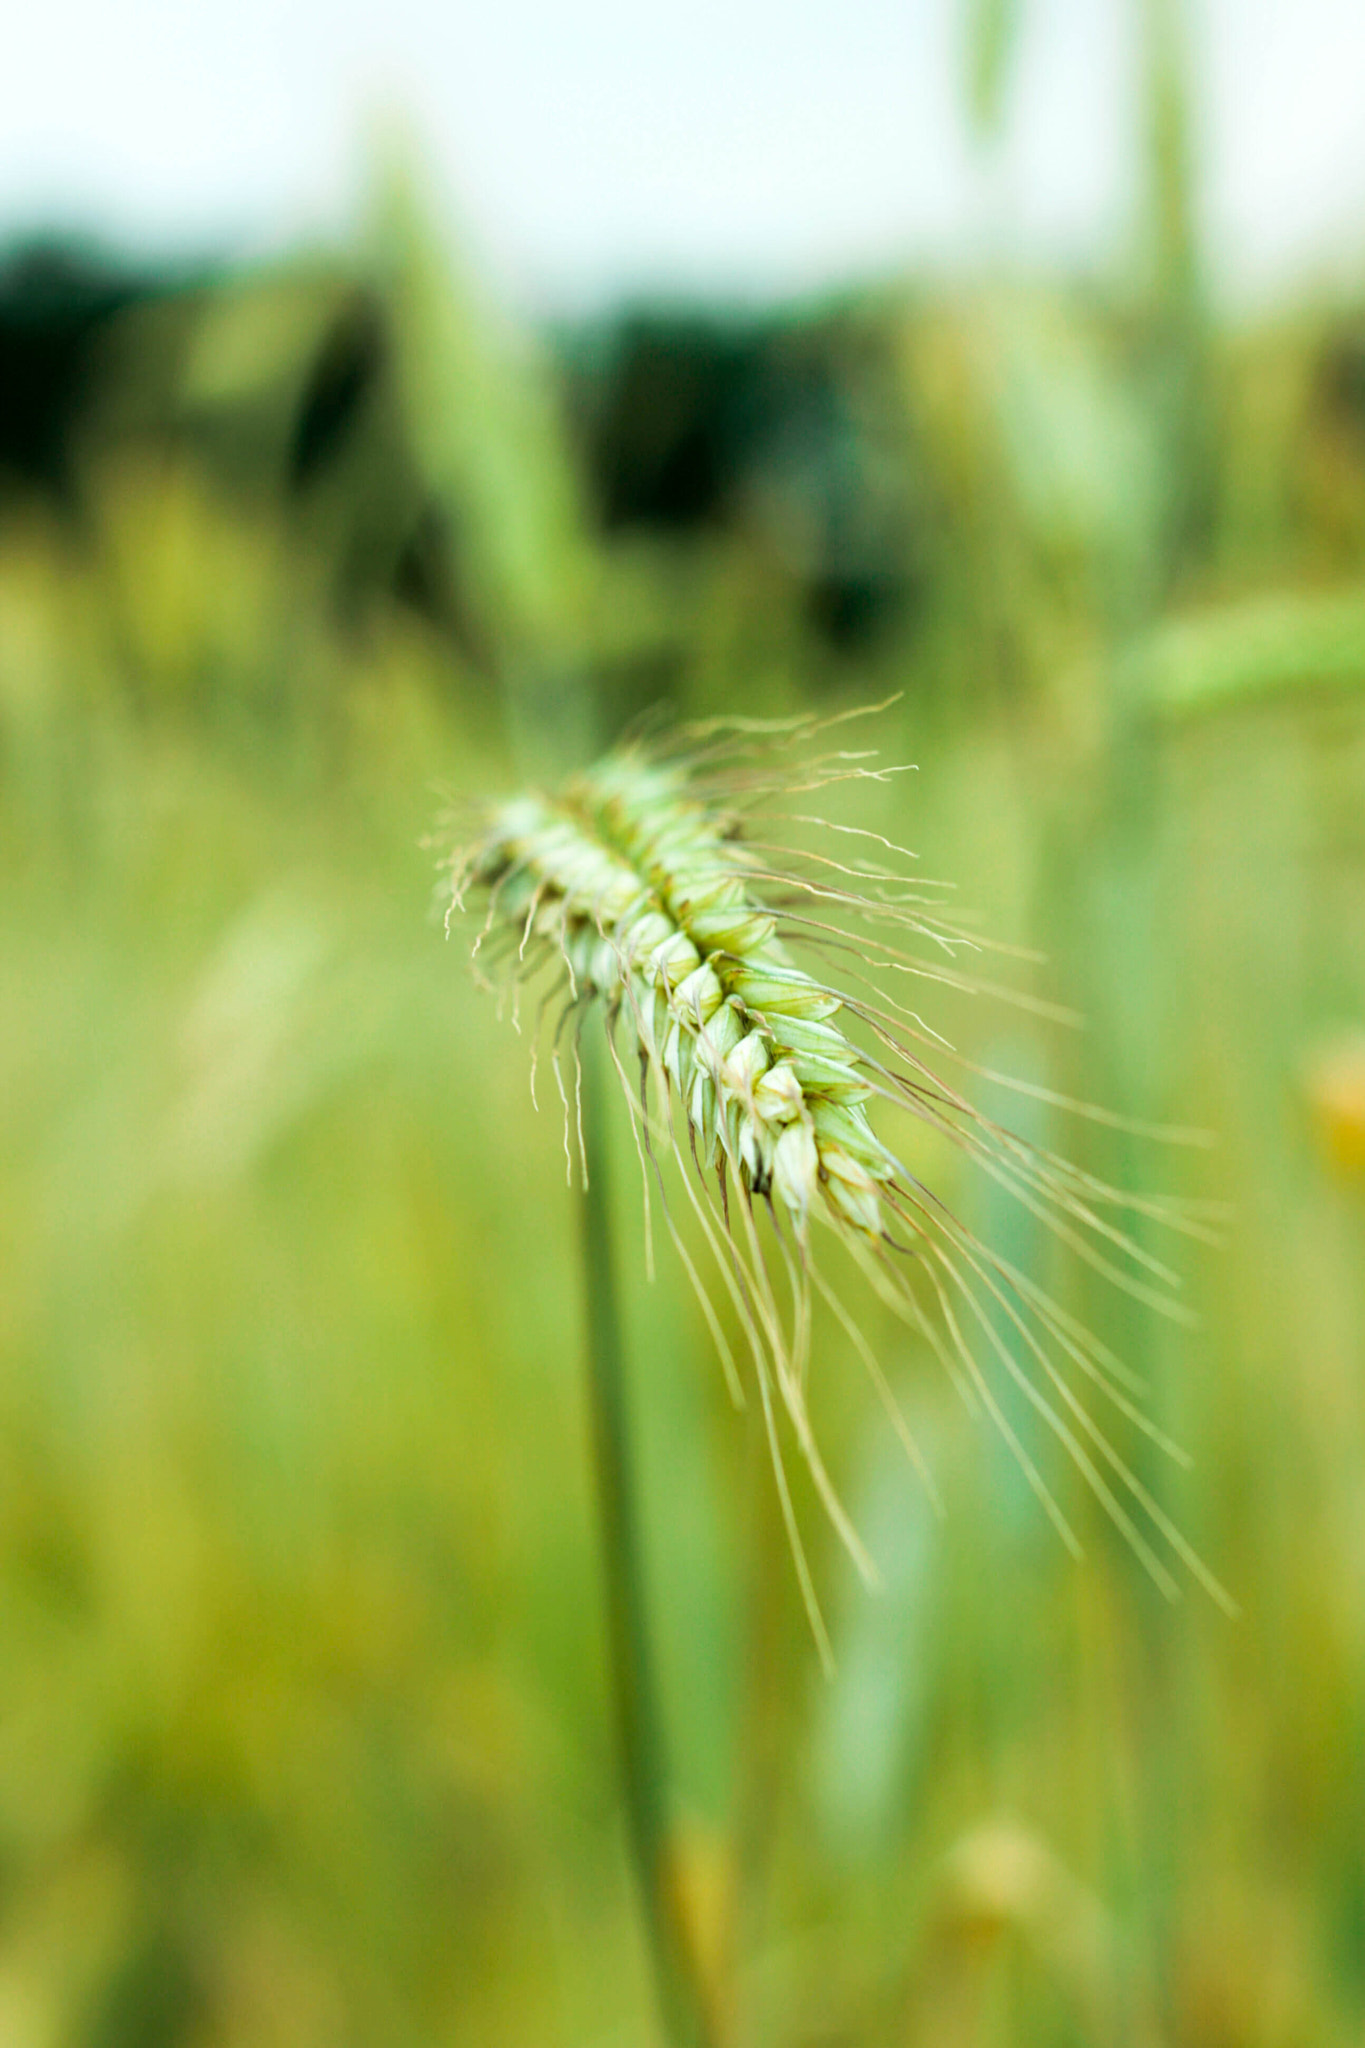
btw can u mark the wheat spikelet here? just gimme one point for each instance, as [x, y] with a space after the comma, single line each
[643, 887]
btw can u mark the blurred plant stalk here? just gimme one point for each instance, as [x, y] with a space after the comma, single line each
[686, 2001]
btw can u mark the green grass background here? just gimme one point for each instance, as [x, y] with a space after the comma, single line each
[304, 1736]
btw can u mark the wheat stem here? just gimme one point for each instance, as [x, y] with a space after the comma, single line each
[681, 1989]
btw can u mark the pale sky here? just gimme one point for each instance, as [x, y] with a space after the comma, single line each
[740, 146]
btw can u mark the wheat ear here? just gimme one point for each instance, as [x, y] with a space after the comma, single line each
[643, 885]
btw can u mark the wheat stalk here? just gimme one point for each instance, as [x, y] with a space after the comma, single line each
[642, 885]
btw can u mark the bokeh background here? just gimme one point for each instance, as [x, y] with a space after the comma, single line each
[389, 412]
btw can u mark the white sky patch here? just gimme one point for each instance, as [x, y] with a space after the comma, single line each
[741, 146]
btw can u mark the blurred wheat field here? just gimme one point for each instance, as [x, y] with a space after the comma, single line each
[305, 1736]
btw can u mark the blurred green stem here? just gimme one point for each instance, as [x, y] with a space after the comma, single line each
[682, 1993]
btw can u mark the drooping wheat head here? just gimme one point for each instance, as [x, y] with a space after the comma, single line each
[643, 886]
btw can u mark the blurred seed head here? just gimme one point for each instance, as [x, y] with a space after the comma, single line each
[1335, 1086]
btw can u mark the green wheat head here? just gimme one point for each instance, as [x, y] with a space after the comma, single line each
[643, 887]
